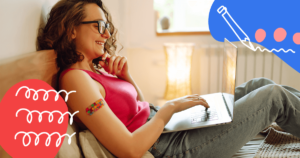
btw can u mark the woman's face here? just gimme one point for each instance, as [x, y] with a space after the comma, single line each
[87, 37]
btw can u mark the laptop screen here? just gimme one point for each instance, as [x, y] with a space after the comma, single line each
[229, 74]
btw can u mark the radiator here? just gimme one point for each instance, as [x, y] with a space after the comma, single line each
[207, 67]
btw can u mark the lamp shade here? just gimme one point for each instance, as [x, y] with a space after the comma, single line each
[178, 61]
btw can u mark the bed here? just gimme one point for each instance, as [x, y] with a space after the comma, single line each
[41, 65]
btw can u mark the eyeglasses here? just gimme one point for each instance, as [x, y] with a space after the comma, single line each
[102, 26]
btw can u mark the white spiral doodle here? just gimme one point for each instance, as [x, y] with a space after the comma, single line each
[35, 96]
[58, 141]
[50, 117]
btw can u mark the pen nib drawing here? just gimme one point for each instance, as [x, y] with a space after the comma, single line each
[240, 34]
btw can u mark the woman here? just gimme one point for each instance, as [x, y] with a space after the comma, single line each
[112, 107]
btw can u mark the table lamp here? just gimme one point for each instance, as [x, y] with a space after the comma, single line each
[178, 61]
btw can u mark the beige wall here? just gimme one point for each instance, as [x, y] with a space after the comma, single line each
[143, 48]
[19, 22]
[135, 21]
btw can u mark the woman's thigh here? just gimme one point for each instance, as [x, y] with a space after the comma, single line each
[253, 111]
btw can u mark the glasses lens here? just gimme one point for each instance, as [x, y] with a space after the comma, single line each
[108, 27]
[102, 27]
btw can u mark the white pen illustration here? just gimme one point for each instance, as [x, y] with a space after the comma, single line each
[48, 140]
[35, 96]
[241, 35]
[50, 117]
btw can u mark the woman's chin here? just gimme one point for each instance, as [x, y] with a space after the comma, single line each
[100, 54]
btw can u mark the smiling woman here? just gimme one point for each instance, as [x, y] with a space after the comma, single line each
[64, 23]
[83, 36]
[112, 107]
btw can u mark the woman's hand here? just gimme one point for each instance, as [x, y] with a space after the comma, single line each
[188, 101]
[117, 65]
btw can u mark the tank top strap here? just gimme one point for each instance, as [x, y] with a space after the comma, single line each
[66, 70]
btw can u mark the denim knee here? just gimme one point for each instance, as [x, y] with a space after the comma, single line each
[263, 81]
[273, 91]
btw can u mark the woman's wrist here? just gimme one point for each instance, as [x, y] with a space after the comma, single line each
[165, 112]
[170, 106]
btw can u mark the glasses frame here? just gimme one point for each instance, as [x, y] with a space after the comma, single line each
[98, 22]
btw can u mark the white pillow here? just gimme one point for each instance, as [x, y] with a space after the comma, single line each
[92, 148]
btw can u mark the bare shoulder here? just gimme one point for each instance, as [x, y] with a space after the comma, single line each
[83, 84]
[75, 78]
[103, 123]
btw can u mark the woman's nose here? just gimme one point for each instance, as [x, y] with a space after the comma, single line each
[106, 34]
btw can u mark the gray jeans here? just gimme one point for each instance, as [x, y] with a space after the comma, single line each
[258, 103]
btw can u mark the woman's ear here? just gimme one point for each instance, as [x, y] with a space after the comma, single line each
[74, 34]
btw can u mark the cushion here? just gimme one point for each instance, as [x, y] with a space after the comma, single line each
[70, 150]
[3, 153]
[92, 148]
[278, 143]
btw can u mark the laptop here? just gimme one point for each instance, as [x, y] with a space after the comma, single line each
[221, 104]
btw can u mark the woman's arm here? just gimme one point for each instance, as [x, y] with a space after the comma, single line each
[145, 136]
[105, 125]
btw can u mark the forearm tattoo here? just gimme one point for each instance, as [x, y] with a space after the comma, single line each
[95, 106]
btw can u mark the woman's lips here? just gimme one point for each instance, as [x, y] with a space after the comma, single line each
[100, 43]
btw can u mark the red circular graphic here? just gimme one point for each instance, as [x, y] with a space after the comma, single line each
[11, 125]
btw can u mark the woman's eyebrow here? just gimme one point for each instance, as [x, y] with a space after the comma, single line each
[100, 19]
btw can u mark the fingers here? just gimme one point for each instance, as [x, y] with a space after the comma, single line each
[204, 103]
[111, 62]
[104, 56]
[201, 101]
[123, 61]
[116, 64]
[197, 97]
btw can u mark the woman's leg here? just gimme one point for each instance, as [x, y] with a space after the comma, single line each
[250, 86]
[255, 83]
[258, 103]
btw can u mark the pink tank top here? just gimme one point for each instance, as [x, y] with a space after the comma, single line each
[121, 97]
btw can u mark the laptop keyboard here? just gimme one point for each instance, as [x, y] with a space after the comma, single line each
[204, 115]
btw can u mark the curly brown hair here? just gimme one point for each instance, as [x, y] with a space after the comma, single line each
[64, 16]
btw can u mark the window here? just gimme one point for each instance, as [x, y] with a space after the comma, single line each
[182, 16]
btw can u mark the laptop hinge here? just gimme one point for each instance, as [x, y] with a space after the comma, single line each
[227, 106]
